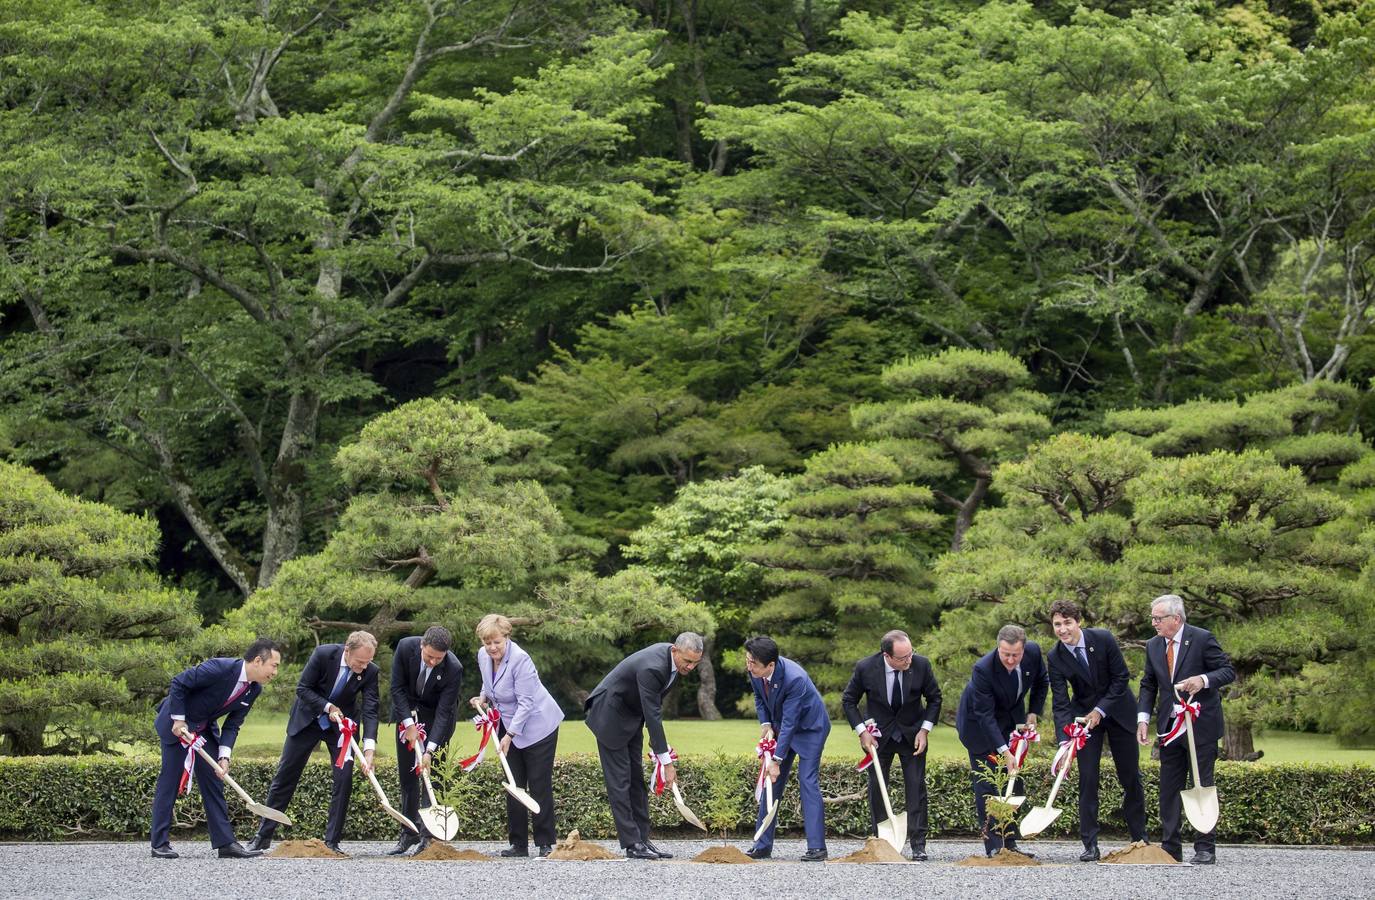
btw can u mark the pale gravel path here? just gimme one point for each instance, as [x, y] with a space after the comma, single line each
[125, 870]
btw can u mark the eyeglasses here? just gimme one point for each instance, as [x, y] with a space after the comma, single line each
[1163, 618]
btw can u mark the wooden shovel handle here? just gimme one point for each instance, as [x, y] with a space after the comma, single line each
[225, 775]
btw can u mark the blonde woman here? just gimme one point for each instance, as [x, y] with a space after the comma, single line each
[529, 730]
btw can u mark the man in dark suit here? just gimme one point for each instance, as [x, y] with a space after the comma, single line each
[425, 681]
[903, 699]
[198, 697]
[1188, 659]
[629, 699]
[338, 682]
[790, 711]
[1007, 688]
[1088, 678]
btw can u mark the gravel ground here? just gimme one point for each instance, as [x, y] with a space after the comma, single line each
[126, 870]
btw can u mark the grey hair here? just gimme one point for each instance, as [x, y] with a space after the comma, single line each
[890, 639]
[1174, 605]
[1012, 634]
[689, 642]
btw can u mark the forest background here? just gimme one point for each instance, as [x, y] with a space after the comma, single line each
[808, 318]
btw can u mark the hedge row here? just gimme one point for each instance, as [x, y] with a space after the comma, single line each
[52, 798]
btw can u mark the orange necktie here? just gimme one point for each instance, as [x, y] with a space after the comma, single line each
[1169, 656]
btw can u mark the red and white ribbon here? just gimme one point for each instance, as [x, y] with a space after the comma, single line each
[348, 730]
[1078, 737]
[486, 726]
[1019, 744]
[419, 742]
[190, 763]
[1178, 724]
[660, 781]
[764, 750]
[871, 727]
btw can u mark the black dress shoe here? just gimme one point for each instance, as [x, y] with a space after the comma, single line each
[759, 852]
[513, 850]
[815, 854]
[918, 853]
[259, 842]
[334, 845]
[164, 852]
[407, 842]
[655, 848]
[640, 851]
[1090, 854]
[237, 851]
[1204, 858]
[545, 850]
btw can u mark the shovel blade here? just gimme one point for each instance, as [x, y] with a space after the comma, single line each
[396, 814]
[440, 821]
[768, 820]
[1200, 807]
[523, 797]
[1014, 802]
[688, 814]
[268, 812]
[894, 831]
[1038, 820]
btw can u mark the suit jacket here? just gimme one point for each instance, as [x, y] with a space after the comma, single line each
[201, 694]
[317, 680]
[631, 697]
[1198, 654]
[527, 710]
[991, 706]
[1075, 692]
[794, 707]
[921, 698]
[438, 705]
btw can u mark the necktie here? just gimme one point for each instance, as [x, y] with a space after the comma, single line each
[334, 692]
[1083, 657]
[896, 700]
[1169, 655]
[420, 682]
[238, 692]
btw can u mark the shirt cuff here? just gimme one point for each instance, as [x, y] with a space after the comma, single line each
[1142, 718]
[329, 706]
[407, 722]
[1101, 714]
[179, 718]
[927, 726]
[1003, 748]
[859, 729]
[1205, 680]
[666, 758]
[225, 751]
[369, 744]
[431, 746]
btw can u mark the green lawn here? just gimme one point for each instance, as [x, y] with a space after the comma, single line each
[262, 734]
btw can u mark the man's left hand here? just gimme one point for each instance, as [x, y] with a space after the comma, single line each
[224, 767]
[1031, 720]
[773, 770]
[920, 741]
[367, 761]
[425, 763]
[670, 775]
[1093, 718]
[1191, 685]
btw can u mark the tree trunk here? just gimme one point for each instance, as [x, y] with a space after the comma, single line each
[965, 516]
[706, 688]
[1237, 743]
[286, 511]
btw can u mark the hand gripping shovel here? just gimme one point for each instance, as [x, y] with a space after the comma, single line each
[770, 804]
[1010, 800]
[521, 795]
[1041, 817]
[1200, 803]
[381, 795]
[440, 821]
[894, 829]
[257, 808]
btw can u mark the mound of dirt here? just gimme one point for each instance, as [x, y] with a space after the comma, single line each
[1003, 857]
[874, 850]
[726, 855]
[1140, 853]
[313, 848]
[438, 850]
[574, 847]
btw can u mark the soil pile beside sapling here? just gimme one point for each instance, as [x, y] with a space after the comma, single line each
[313, 848]
[733, 856]
[1140, 853]
[875, 850]
[574, 847]
[1003, 857]
[438, 850]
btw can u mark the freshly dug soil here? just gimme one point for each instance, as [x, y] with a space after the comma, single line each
[1139, 853]
[1003, 857]
[874, 850]
[314, 848]
[438, 850]
[574, 847]
[727, 855]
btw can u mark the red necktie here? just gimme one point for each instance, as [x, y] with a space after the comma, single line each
[238, 692]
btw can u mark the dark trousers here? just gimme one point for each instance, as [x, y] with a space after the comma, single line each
[993, 842]
[1126, 758]
[1174, 772]
[624, 774]
[914, 785]
[532, 768]
[411, 785]
[809, 786]
[211, 788]
[295, 754]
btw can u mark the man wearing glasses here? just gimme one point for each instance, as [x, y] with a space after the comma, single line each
[903, 699]
[1187, 659]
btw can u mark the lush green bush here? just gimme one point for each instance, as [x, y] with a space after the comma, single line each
[52, 798]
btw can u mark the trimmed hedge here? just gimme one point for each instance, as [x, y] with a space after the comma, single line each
[48, 798]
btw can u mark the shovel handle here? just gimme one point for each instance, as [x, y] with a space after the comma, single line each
[225, 775]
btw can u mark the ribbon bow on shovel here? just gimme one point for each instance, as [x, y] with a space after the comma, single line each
[1041, 817]
[1019, 745]
[661, 781]
[763, 785]
[486, 722]
[1200, 803]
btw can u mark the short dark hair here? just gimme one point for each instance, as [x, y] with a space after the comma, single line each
[1012, 634]
[888, 640]
[261, 649]
[763, 649]
[1066, 608]
[438, 637]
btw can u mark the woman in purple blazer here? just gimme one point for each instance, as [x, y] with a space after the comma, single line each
[529, 730]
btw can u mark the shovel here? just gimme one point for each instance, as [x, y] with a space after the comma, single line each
[440, 821]
[1010, 800]
[257, 808]
[1041, 817]
[894, 829]
[770, 806]
[687, 814]
[521, 795]
[1200, 803]
[381, 795]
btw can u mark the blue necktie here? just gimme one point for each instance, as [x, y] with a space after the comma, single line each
[1083, 657]
[334, 692]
